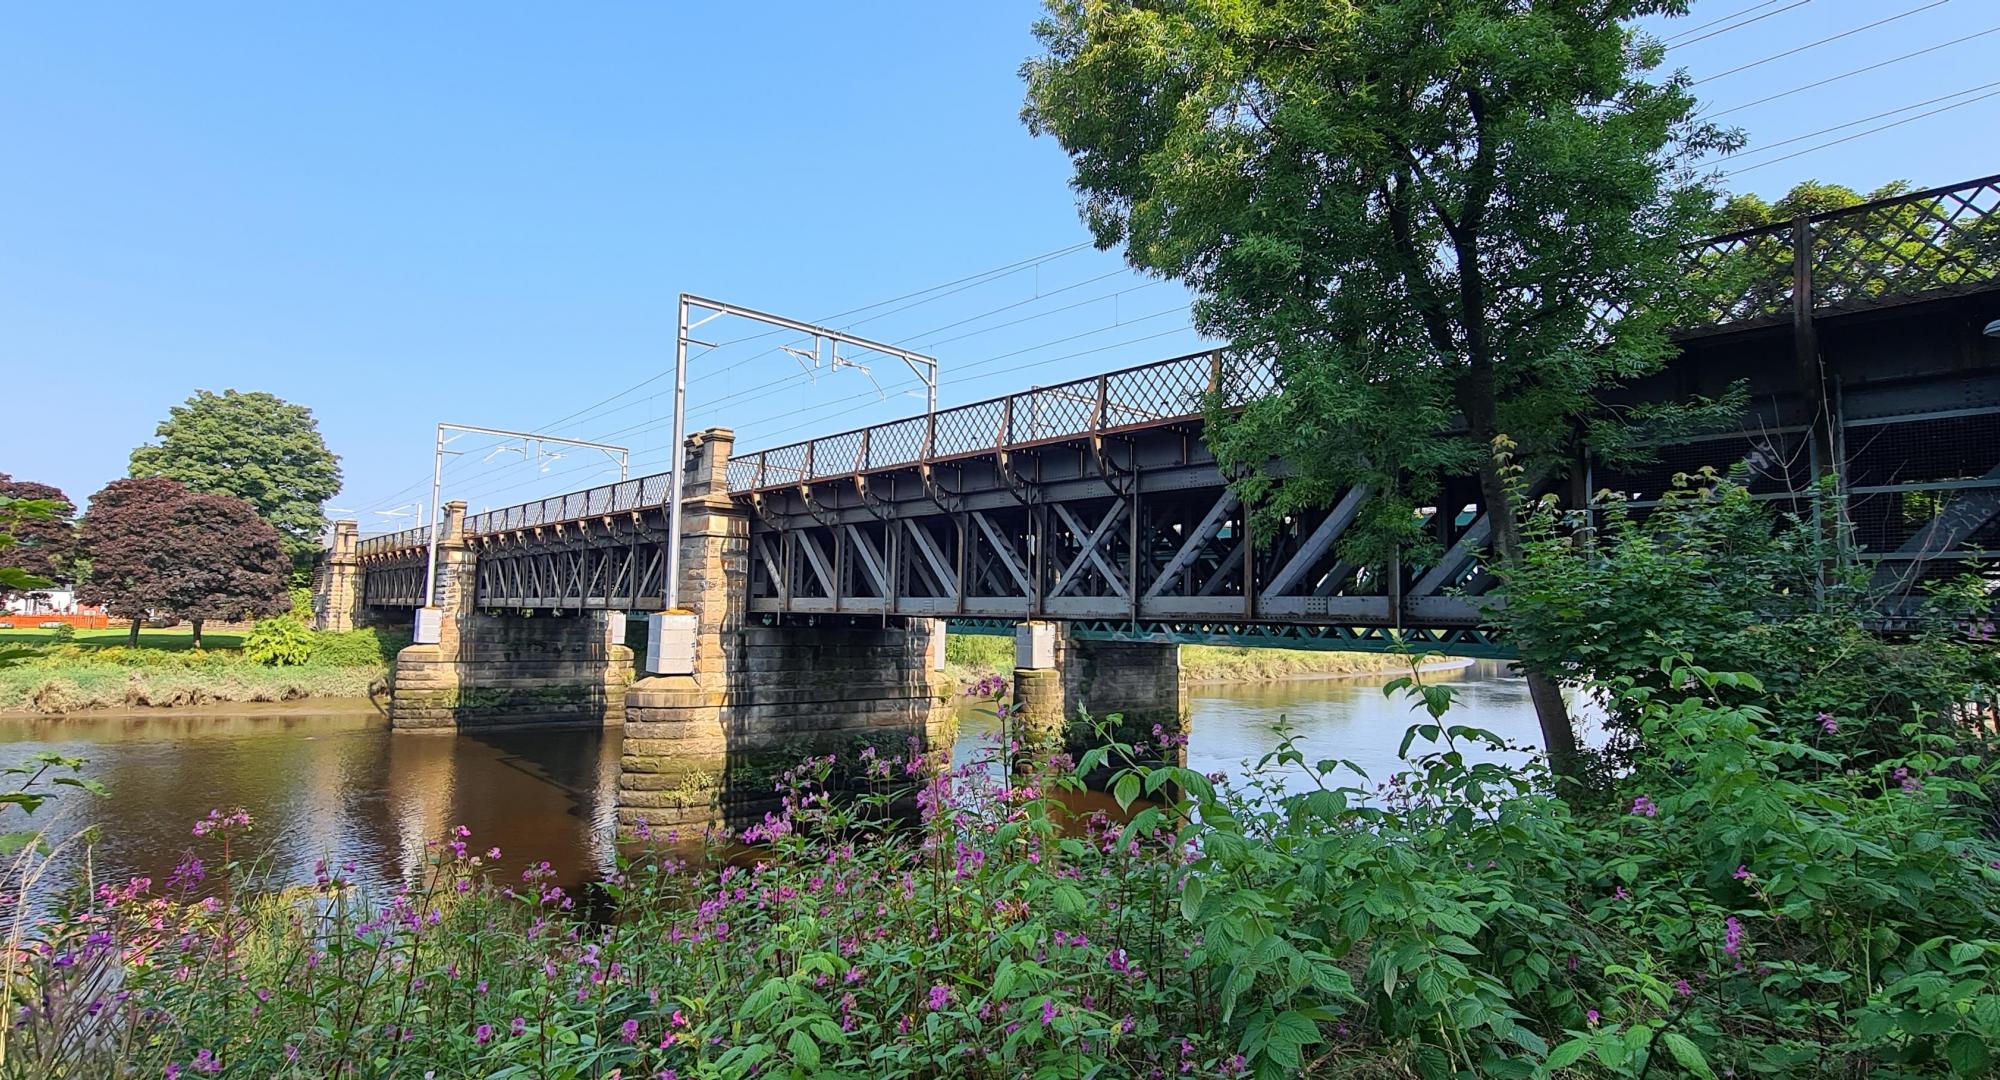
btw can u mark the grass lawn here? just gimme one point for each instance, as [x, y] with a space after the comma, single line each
[173, 639]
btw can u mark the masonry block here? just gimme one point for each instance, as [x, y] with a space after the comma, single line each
[506, 670]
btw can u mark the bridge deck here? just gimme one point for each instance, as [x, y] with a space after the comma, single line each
[1094, 500]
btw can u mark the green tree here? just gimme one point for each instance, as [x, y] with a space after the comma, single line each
[1424, 214]
[257, 447]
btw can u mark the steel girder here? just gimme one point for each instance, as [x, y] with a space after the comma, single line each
[394, 579]
[606, 563]
[1140, 531]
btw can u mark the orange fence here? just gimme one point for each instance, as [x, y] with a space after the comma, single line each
[98, 621]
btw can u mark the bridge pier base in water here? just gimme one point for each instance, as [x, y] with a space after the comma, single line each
[1066, 688]
[513, 669]
[705, 749]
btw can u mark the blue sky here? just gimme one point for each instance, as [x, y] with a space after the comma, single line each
[400, 214]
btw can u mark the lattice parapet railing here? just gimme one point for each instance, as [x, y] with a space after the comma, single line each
[396, 541]
[621, 497]
[1946, 238]
[1903, 247]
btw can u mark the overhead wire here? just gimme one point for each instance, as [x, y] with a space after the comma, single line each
[1750, 151]
[1722, 19]
[1680, 44]
[913, 339]
[979, 277]
[1816, 84]
[836, 403]
[1795, 50]
[1862, 134]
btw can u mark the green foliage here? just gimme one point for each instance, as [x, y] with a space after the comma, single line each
[24, 791]
[43, 542]
[256, 447]
[1417, 214]
[281, 641]
[15, 515]
[1724, 911]
[357, 648]
[57, 678]
[979, 652]
[1712, 577]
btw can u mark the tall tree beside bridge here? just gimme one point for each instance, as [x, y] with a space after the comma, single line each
[45, 543]
[1421, 210]
[257, 447]
[156, 548]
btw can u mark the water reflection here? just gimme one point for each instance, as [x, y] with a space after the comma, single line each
[336, 787]
[1352, 719]
[344, 788]
[1232, 725]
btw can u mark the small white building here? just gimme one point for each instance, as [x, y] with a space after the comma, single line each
[49, 602]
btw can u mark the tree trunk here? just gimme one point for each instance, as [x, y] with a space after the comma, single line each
[1558, 735]
[132, 639]
[196, 624]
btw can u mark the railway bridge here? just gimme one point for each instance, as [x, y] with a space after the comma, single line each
[1090, 520]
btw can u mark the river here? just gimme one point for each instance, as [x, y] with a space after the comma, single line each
[342, 787]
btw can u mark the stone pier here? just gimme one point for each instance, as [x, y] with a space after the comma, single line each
[704, 748]
[337, 582]
[1065, 687]
[510, 669]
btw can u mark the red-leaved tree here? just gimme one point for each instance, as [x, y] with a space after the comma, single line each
[43, 546]
[155, 548]
[230, 564]
[121, 532]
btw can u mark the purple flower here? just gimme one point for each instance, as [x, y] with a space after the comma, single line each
[1645, 807]
[1732, 935]
[940, 996]
[1742, 873]
[1682, 988]
[1827, 723]
[519, 1026]
[1591, 1016]
[483, 1033]
[629, 1031]
[1048, 1011]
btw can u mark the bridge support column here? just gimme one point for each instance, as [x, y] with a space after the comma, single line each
[1137, 681]
[1040, 710]
[703, 750]
[337, 585]
[534, 669]
[1059, 679]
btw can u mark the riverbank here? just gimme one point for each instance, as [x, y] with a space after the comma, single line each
[970, 658]
[94, 672]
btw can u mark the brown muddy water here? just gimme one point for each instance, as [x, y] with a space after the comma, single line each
[341, 787]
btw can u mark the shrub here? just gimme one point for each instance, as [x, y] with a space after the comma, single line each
[1713, 579]
[279, 641]
[366, 647]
